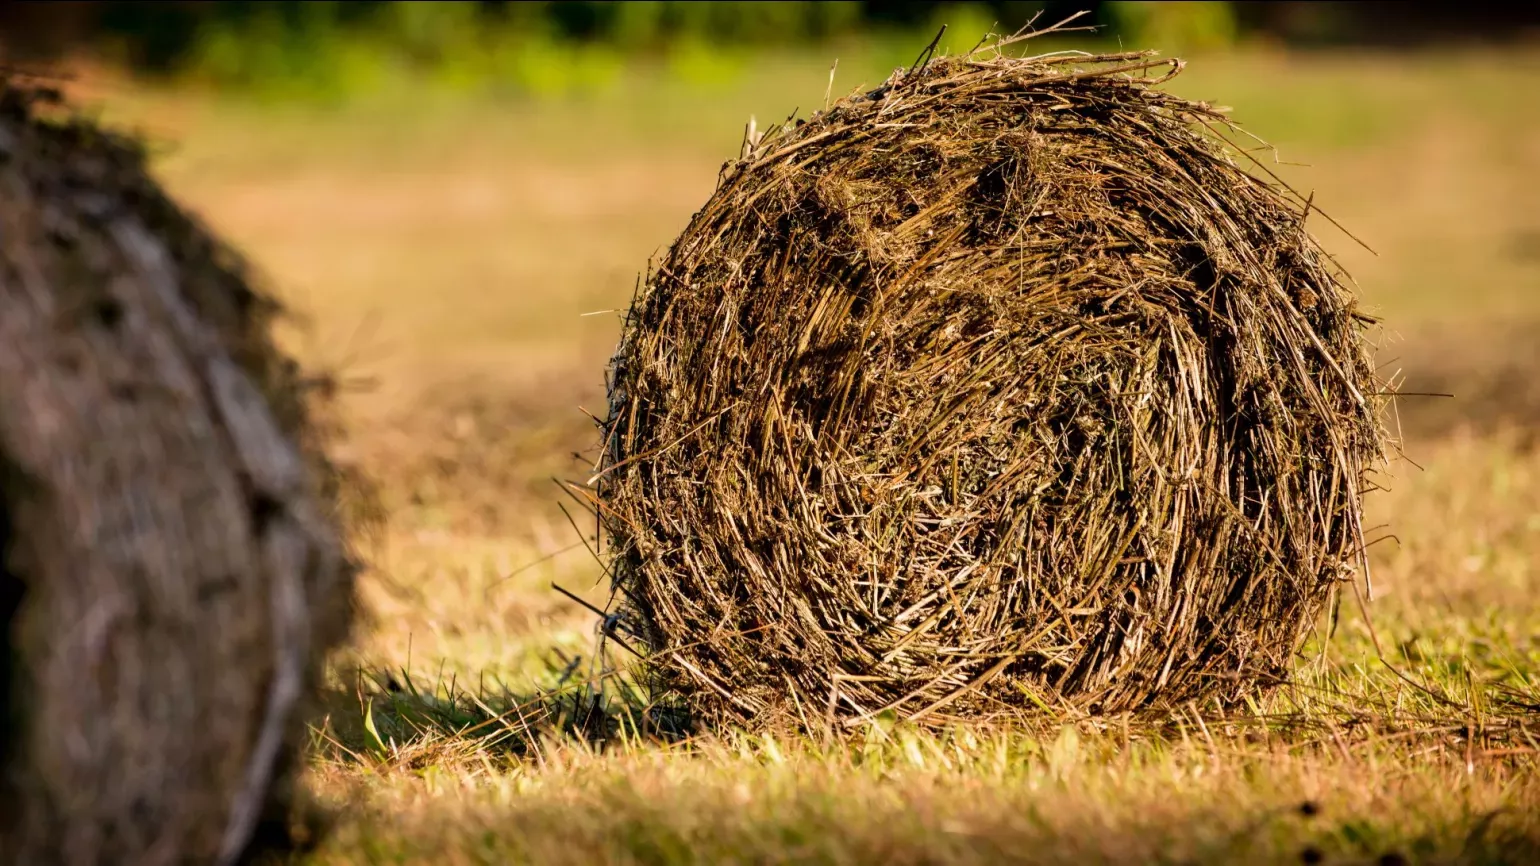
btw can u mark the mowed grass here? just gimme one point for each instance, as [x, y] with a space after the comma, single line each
[446, 251]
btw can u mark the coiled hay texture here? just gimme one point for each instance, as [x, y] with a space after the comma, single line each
[174, 568]
[1000, 387]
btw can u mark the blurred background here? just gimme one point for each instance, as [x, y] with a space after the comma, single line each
[457, 198]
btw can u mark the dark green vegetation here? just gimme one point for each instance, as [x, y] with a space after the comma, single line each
[334, 51]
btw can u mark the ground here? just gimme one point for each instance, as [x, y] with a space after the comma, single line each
[464, 263]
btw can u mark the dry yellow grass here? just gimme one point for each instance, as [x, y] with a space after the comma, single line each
[450, 250]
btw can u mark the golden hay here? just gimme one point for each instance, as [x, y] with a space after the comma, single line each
[1000, 387]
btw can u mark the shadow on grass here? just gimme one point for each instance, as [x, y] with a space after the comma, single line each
[1428, 756]
[1482, 706]
[391, 718]
[1037, 793]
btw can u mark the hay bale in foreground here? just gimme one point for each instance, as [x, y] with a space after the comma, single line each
[173, 570]
[1002, 386]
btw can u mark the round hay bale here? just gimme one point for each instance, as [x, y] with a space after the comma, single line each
[172, 567]
[1002, 386]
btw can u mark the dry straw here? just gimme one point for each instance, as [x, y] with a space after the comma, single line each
[1000, 387]
[171, 564]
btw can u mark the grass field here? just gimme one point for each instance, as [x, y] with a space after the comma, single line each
[448, 251]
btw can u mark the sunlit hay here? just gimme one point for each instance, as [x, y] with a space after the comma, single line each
[172, 522]
[1001, 387]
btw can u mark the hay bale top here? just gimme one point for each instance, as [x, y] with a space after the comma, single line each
[1001, 386]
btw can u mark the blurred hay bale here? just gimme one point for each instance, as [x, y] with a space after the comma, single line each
[173, 571]
[1001, 386]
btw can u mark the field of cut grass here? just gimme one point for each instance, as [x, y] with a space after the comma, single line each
[465, 262]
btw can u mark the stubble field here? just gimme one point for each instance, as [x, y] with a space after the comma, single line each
[464, 264]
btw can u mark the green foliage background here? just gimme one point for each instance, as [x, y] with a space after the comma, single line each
[334, 50]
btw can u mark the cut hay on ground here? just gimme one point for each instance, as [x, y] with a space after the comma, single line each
[173, 569]
[1001, 387]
